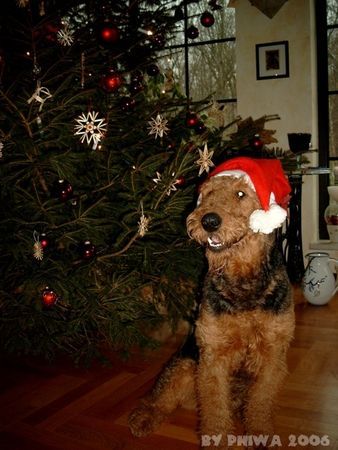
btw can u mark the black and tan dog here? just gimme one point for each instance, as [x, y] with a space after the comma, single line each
[235, 361]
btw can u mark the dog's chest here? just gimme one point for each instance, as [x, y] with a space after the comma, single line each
[243, 336]
[268, 290]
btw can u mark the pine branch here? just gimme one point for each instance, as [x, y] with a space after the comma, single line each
[19, 113]
[122, 251]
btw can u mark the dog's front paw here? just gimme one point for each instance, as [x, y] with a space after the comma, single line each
[144, 420]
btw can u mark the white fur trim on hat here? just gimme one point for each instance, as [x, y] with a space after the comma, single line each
[265, 222]
[237, 174]
[261, 221]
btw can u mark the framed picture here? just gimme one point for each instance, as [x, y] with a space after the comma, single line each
[272, 60]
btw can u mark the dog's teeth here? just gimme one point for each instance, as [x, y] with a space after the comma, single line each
[214, 244]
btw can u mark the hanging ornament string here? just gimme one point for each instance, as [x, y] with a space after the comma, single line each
[37, 247]
[40, 95]
[83, 59]
[42, 11]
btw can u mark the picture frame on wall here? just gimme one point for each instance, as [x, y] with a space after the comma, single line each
[272, 60]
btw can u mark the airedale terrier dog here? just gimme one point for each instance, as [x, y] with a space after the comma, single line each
[234, 361]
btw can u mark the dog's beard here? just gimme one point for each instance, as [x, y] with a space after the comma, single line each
[216, 244]
[220, 240]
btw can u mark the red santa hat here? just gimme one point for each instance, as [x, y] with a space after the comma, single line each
[266, 177]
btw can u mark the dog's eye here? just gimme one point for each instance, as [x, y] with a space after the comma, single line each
[240, 194]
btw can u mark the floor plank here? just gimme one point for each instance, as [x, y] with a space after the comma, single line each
[60, 407]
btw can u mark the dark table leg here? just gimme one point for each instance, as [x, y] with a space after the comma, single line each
[293, 251]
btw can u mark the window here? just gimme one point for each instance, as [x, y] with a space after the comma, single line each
[327, 61]
[204, 66]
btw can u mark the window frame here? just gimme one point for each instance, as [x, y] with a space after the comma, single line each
[324, 94]
[186, 45]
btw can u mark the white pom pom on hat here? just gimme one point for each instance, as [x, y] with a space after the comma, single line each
[267, 178]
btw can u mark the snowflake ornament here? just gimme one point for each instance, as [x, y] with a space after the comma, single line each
[90, 128]
[143, 223]
[22, 3]
[204, 161]
[158, 178]
[37, 247]
[158, 126]
[172, 187]
[65, 36]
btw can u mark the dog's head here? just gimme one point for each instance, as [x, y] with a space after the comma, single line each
[239, 201]
[222, 216]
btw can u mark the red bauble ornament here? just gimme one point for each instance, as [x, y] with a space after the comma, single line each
[180, 181]
[108, 33]
[63, 190]
[256, 143]
[111, 81]
[44, 240]
[158, 40]
[127, 104]
[153, 70]
[192, 32]
[171, 146]
[207, 19]
[135, 88]
[87, 250]
[49, 297]
[200, 127]
[136, 77]
[75, 201]
[191, 120]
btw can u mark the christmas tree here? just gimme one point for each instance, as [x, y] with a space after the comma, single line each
[100, 161]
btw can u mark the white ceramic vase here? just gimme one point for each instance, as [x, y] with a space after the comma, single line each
[319, 284]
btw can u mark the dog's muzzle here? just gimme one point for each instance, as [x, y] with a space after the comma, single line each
[211, 222]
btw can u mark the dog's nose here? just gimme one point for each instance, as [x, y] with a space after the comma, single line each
[211, 221]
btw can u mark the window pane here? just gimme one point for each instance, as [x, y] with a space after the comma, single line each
[332, 12]
[332, 38]
[223, 27]
[333, 124]
[212, 71]
[177, 38]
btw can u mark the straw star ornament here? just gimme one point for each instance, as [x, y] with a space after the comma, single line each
[158, 126]
[90, 128]
[65, 36]
[204, 162]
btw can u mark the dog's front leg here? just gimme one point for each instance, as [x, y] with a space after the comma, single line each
[262, 395]
[213, 390]
[173, 387]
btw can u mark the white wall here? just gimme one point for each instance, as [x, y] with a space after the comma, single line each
[293, 99]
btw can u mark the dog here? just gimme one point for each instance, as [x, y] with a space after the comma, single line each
[234, 362]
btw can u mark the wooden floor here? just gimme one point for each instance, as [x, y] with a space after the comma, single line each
[49, 407]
